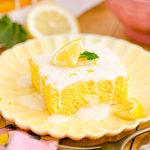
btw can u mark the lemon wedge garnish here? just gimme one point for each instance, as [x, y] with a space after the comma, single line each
[47, 19]
[130, 110]
[69, 54]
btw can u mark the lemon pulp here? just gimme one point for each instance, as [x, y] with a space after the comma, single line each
[69, 54]
[129, 110]
[48, 19]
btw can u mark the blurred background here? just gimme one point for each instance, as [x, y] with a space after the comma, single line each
[128, 19]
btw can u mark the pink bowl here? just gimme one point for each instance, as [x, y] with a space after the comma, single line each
[135, 15]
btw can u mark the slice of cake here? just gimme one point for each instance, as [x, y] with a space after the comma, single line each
[78, 76]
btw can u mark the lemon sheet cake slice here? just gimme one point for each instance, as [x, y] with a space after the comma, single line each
[80, 82]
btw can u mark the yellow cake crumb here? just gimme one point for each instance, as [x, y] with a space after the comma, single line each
[73, 97]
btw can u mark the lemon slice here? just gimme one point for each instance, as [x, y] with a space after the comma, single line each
[47, 19]
[130, 110]
[69, 54]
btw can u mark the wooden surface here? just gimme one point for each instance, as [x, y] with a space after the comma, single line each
[100, 20]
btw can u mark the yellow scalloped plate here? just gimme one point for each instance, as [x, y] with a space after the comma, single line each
[14, 67]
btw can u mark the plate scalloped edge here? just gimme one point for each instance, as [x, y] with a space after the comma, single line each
[134, 59]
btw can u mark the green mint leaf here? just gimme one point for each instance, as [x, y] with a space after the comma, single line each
[11, 33]
[89, 55]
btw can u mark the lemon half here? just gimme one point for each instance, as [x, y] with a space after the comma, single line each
[48, 19]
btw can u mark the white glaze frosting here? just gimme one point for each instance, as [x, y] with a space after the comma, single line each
[108, 67]
[98, 112]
